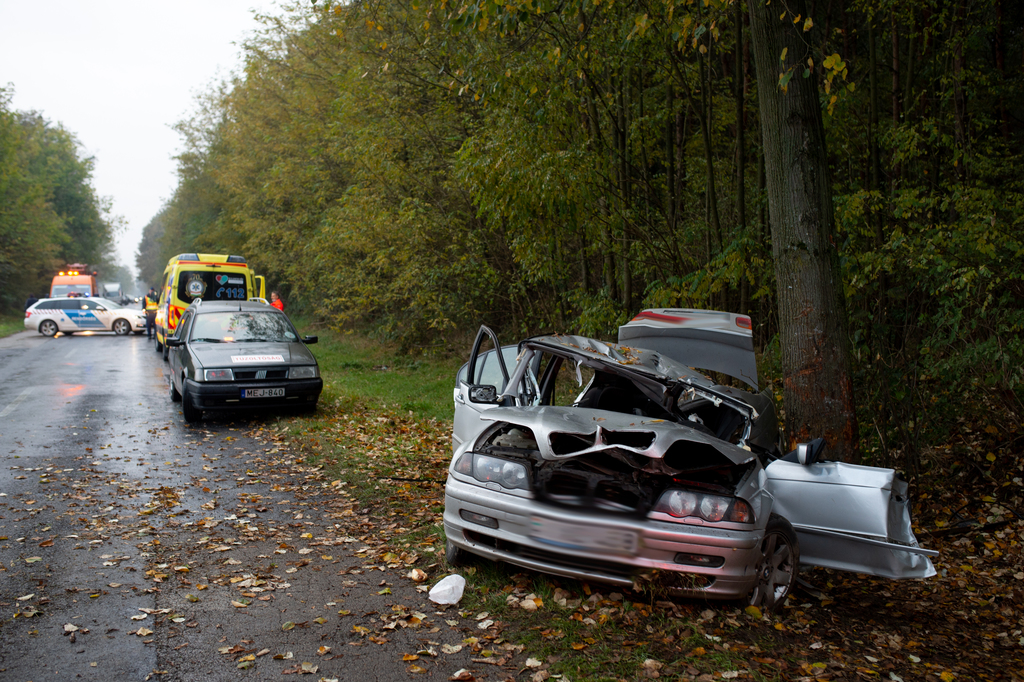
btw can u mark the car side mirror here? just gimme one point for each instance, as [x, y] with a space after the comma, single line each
[803, 453]
[809, 453]
[309, 339]
[173, 342]
[483, 394]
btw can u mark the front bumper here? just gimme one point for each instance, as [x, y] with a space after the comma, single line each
[228, 395]
[658, 544]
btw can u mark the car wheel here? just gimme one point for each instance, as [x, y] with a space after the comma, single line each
[454, 555]
[48, 328]
[191, 414]
[175, 396]
[159, 346]
[167, 352]
[122, 327]
[777, 567]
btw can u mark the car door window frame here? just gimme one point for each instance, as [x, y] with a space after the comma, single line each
[184, 326]
[473, 376]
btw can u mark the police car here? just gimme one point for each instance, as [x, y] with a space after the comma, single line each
[51, 315]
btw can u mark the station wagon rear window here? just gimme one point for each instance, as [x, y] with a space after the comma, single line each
[215, 285]
[66, 289]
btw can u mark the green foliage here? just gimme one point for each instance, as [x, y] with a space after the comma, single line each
[49, 212]
[417, 169]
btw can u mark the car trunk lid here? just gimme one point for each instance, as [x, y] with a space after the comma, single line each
[704, 339]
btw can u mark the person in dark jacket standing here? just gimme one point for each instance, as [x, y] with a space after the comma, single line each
[31, 299]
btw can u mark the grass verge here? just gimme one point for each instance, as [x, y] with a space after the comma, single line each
[11, 324]
[362, 373]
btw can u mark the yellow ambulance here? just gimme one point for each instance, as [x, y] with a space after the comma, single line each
[191, 276]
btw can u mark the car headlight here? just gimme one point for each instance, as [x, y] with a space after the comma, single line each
[303, 372]
[713, 508]
[486, 469]
[218, 375]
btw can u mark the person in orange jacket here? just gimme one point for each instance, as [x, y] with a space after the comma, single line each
[275, 300]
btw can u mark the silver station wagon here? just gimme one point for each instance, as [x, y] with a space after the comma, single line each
[619, 464]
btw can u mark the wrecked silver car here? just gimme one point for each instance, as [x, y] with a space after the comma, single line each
[618, 463]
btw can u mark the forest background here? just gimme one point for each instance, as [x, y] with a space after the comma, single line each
[50, 214]
[414, 168]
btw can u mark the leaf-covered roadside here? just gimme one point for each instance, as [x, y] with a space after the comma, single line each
[965, 623]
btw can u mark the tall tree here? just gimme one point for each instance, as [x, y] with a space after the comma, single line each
[812, 316]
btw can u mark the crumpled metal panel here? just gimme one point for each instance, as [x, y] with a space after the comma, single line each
[545, 421]
[849, 517]
[641, 359]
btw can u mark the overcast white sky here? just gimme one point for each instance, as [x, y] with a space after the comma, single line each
[118, 74]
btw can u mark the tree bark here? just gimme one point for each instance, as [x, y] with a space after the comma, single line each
[818, 390]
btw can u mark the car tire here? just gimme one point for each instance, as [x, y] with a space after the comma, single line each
[48, 328]
[159, 346]
[778, 566]
[191, 414]
[166, 352]
[122, 327]
[175, 396]
[454, 555]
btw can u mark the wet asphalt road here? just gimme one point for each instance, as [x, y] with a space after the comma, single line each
[134, 546]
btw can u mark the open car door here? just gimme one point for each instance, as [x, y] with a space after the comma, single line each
[478, 384]
[848, 517]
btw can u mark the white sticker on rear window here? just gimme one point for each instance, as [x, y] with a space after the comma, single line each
[256, 358]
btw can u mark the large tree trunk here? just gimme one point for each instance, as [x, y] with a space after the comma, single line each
[818, 391]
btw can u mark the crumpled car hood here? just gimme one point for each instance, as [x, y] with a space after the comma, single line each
[564, 432]
[644, 361]
[654, 373]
